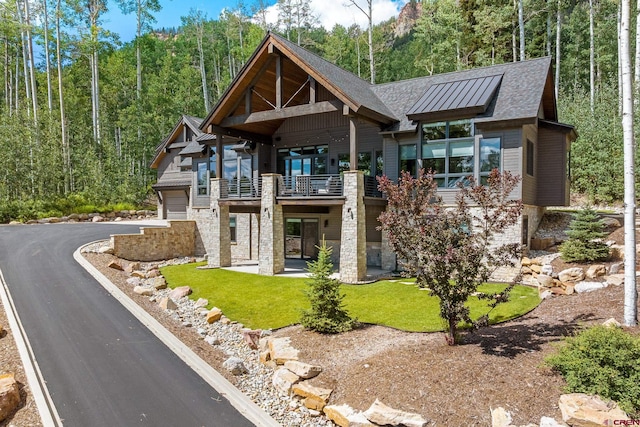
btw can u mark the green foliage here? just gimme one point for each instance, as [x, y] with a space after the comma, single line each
[585, 238]
[603, 361]
[452, 250]
[327, 314]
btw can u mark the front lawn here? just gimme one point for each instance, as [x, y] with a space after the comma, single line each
[268, 302]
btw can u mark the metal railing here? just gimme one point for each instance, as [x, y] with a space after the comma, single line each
[242, 188]
[310, 186]
[371, 187]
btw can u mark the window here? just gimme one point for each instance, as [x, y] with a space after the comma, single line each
[408, 159]
[364, 162]
[530, 158]
[452, 152]
[212, 163]
[232, 228]
[379, 163]
[202, 179]
[303, 160]
[344, 163]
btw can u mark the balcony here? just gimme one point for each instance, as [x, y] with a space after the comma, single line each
[243, 188]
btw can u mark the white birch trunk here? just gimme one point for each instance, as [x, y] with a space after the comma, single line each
[66, 154]
[636, 75]
[372, 65]
[558, 33]
[45, 20]
[521, 27]
[203, 71]
[32, 64]
[619, 59]
[630, 292]
[25, 60]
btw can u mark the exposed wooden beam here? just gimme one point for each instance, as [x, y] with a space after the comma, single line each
[219, 155]
[253, 81]
[247, 100]
[312, 90]
[283, 113]
[240, 134]
[278, 82]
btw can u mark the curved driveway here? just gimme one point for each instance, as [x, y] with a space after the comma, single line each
[101, 365]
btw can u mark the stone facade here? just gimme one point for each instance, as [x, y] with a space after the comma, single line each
[245, 246]
[271, 256]
[157, 243]
[353, 249]
[219, 247]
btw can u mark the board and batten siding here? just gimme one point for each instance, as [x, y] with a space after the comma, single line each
[553, 185]
[529, 183]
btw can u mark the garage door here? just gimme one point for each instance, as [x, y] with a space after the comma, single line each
[175, 204]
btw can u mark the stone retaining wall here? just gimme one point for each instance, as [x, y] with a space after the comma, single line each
[156, 243]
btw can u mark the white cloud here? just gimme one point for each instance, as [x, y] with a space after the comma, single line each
[331, 12]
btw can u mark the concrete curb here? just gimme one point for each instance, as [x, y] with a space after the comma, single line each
[46, 408]
[238, 400]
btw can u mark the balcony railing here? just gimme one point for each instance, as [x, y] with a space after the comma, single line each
[243, 188]
[371, 187]
[310, 186]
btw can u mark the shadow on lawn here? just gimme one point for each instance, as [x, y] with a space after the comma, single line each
[510, 340]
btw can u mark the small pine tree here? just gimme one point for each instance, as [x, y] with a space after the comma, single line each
[327, 314]
[585, 238]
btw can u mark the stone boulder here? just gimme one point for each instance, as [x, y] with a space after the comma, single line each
[615, 279]
[214, 315]
[545, 281]
[202, 302]
[251, 337]
[582, 410]
[115, 265]
[611, 323]
[383, 415]
[179, 292]
[97, 218]
[283, 379]
[536, 268]
[316, 398]
[616, 267]
[132, 266]
[139, 274]
[167, 303]
[583, 287]
[235, 365]
[547, 269]
[303, 370]
[143, 290]
[610, 224]
[525, 262]
[106, 250]
[500, 417]
[159, 283]
[574, 274]
[595, 271]
[9, 395]
[346, 416]
[153, 273]
[134, 281]
[550, 422]
[281, 350]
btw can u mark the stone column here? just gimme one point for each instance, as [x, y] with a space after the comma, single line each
[271, 250]
[387, 256]
[353, 246]
[219, 244]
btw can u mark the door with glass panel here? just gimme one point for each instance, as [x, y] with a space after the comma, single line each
[301, 238]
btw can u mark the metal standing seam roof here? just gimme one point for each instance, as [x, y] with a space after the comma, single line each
[473, 95]
[194, 147]
[172, 184]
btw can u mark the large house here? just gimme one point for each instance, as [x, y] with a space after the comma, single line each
[290, 153]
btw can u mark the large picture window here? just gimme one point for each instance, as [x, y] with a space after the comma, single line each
[408, 159]
[203, 179]
[452, 152]
[303, 160]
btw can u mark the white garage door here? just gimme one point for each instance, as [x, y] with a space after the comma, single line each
[175, 204]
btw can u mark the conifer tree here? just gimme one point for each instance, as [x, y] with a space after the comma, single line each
[585, 238]
[327, 314]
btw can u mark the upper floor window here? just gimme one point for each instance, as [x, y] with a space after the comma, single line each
[530, 157]
[452, 152]
[310, 160]
[202, 179]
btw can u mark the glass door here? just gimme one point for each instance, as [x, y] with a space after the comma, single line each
[301, 238]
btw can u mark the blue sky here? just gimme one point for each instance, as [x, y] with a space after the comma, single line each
[329, 13]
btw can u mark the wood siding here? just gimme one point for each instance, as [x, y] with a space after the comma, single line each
[553, 187]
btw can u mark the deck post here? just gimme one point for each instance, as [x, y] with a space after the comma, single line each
[271, 249]
[219, 244]
[353, 248]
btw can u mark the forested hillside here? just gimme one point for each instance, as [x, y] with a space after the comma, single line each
[81, 113]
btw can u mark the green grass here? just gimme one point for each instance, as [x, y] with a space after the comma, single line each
[273, 302]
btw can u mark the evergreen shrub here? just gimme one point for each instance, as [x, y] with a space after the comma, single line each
[585, 243]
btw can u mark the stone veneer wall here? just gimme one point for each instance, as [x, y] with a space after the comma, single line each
[157, 243]
[271, 256]
[203, 233]
[247, 230]
[353, 249]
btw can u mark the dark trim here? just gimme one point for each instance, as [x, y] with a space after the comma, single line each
[282, 113]
[315, 201]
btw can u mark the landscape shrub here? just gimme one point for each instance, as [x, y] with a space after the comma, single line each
[585, 243]
[327, 314]
[603, 361]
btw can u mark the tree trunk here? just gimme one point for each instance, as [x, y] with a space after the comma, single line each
[521, 27]
[138, 54]
[558, 32]
[372, 65]
[592, 49]
[25, 60]
[32, 64]
[66, 155]
[47, 56]
[619, 59]
[636, 76]
[203, 71]
[630, 292]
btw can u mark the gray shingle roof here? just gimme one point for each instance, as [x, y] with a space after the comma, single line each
[518, 96]
[194, 147]
[358, 90]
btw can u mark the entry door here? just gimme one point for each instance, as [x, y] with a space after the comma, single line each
[301, 238]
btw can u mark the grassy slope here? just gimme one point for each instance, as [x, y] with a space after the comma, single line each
[274, 302]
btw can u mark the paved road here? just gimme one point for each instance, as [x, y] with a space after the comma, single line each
[102, 367]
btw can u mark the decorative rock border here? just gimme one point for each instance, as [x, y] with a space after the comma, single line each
[94, 217]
